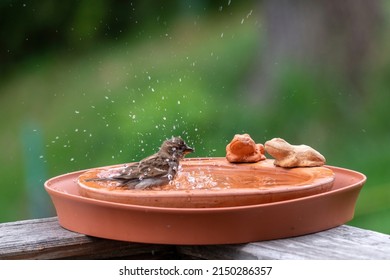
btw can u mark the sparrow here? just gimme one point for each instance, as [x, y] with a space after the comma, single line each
[156, 170]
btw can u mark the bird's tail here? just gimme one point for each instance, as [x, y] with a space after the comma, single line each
[122, 183]
[97, 179]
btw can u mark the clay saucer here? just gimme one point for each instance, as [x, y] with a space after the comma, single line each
[198, 226]
[214, 182]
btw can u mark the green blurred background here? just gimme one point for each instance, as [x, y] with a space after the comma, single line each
[96, 82]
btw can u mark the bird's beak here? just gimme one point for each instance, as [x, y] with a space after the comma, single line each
[188, 150]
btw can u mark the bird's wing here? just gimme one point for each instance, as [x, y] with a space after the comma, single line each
[128, 172]
[153, 167]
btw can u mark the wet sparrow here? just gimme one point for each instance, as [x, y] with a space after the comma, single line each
[155, 170]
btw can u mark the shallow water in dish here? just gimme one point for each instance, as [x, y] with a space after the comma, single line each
[221, 178]
[217, 175]
[214, 182]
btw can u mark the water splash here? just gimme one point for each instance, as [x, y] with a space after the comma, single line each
[196, 180]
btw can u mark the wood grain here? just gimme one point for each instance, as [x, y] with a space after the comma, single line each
[343, 242]
[46, 239]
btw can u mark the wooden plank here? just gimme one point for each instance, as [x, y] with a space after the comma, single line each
[344, 242]
[46, 239]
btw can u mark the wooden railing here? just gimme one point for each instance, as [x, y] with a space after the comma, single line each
[46, 239]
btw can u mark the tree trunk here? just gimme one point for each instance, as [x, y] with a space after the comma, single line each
[328, 36]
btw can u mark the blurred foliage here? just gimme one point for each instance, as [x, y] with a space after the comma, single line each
[41, 26]
[105, 82]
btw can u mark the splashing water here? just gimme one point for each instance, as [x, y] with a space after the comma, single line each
[198, 180]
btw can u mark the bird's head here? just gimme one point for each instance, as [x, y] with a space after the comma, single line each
[176, 147]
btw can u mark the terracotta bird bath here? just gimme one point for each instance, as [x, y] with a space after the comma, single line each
[211, 201]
